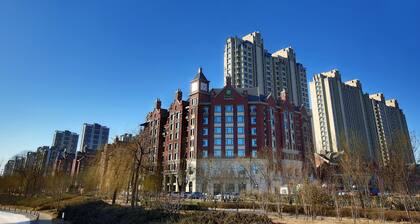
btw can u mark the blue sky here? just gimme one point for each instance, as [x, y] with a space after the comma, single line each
[63, 63]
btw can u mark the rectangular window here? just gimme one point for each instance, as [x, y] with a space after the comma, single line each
[253, 120]
[254, 142]
[205, 143]
[205, 154]
[217, 141]
[240, 119]
[229, 119]
[240, 108]
[217, 119]
[253, 109]
[229, 141]
[240, 130]
[228, 108]
[205, 110]
[217, 130]
[241, 141]
[218, 109]
[205, 131]
[217, 152]
[229, 152]
[254, 131]
[254, 153]
[229, 130]
[241, 153]
[205, 120]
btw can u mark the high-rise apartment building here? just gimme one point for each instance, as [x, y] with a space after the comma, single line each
[391, 128]
[249, 64]
[94, 136]
[345, 117]
[65, 140]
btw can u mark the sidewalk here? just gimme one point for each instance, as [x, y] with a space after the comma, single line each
[36, 217]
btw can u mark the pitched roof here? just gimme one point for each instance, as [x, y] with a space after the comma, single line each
[200, 75]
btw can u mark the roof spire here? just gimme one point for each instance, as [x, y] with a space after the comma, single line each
[200, 70]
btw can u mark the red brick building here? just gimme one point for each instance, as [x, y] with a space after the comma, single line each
[218, 134]
[156, 121]
[175, 143]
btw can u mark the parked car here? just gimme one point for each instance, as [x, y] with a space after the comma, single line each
[196, 195]
[186, 195]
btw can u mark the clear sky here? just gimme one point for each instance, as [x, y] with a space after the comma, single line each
[63, 63]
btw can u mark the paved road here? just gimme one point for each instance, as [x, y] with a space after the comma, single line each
[6, 217]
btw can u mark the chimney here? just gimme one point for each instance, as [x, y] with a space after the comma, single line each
[158, 103]
[178, 95]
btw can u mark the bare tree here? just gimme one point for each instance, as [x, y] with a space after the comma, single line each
[141, 152]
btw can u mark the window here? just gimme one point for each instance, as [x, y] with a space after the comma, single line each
[229, 152]
[205, 120]
[228, 108]
[253, 120]
[205, 131]
[218, 141]
[217, 119]
[170, 147]
[229, 130]
[241, 152]
[205, 154]
[229, 119]
[218, 109]
[229, 141]
[217, 152]
[253, 109]
[205, 143]
[240, 108]
[254, 142]
[240, 130]
[241, 141]
[217, 130]
[205, 110]
[254, 153]
[254, 131]
[240, 119]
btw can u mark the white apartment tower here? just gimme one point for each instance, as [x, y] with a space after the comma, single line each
[391, 128]
[339, 114]
[345, 116]
[249, 64]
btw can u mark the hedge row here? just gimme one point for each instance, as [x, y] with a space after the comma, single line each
[99, 212]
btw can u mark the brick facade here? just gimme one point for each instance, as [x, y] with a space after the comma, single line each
[229, 125]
